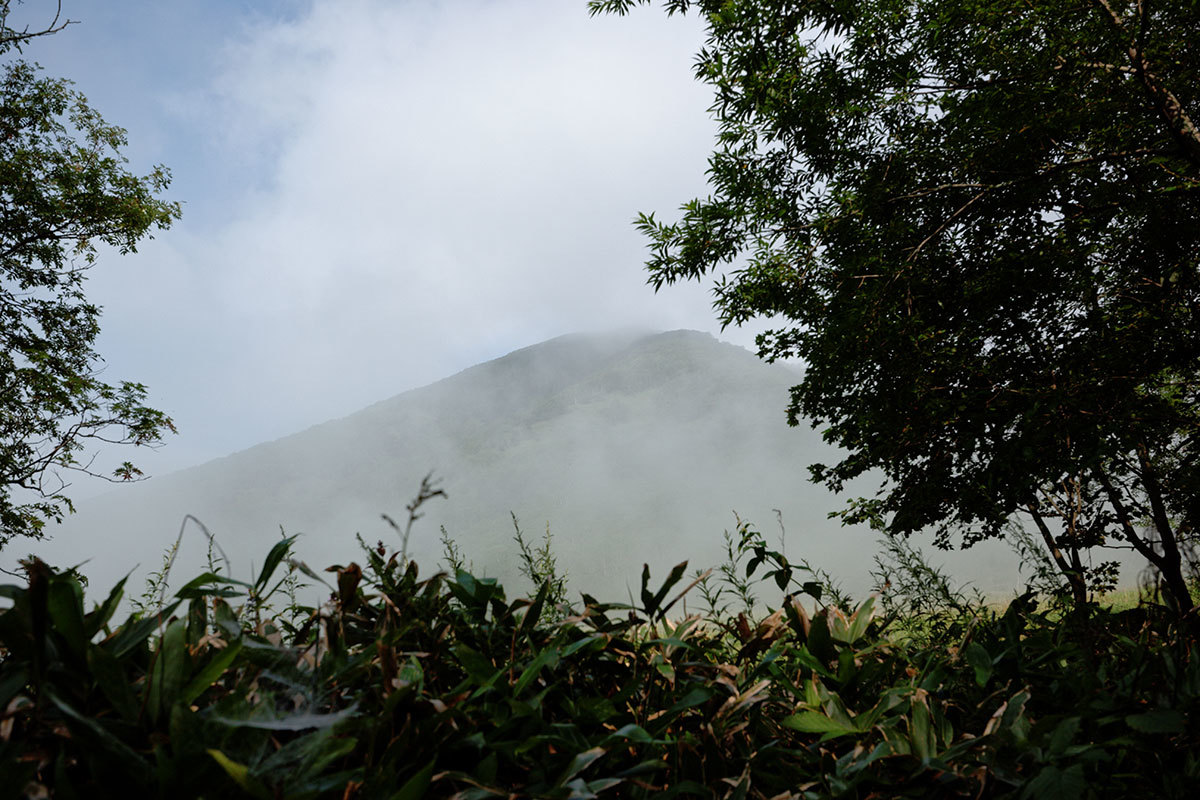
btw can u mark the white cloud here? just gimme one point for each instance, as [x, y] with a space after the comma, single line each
[379, 194]
[437, 175]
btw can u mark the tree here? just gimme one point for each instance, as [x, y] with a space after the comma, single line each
[64, 192]
[977, 222]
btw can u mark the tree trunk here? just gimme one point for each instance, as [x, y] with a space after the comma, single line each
[1074, 576]
[1169, 563]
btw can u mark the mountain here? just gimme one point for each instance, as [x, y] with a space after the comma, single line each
[630, 449]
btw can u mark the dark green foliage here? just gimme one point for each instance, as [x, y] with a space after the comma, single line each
[978, 225]
[404, 687]
[64, 190]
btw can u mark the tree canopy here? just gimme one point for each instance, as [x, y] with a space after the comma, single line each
[977, 222]
[64, 192]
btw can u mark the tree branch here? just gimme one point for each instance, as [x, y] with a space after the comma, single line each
[1131, 535]
[1162, 99]
[1158, 509]
[944, 225]
[12, 38]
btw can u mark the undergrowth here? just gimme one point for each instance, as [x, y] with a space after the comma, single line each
[405, 686]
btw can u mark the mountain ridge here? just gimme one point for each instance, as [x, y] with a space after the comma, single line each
[632, 448]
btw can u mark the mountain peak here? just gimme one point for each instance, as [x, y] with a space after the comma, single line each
[631, 448]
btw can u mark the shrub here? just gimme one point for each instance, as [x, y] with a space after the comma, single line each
[402, 686]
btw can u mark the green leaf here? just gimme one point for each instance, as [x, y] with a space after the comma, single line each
[581, 643]
[981, 661]
[630, 732]
[782, 577]
[647, 595]
[924, 745]
[534, 612]
[480, 670]
[225, 620]
[171, 666]
[415, 787]
[110, 676]
[816, 722]
[135, 633]
[308, 572]
[695, 697]
[211, 672]
[1158, 721]
[861, 619]
[207, 585]
[820, 642]
[652, 602]
[240, 775]
[1060, 784]
[13, 679]
[547, 657]
[65, 604]
[277, 553]
[96, 620]
[411, 673]
[1064, 734]
[579, 763]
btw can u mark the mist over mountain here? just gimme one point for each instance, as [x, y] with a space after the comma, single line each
[631, 448]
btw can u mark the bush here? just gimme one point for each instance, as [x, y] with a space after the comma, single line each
[402, 686]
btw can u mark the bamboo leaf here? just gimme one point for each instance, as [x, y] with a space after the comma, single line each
[113, 682]
[416, 786]
[277, 553]
[653, 605]
[534, 612]
[579, 763]
[213, 670]
[96, 620]
[135, 633]
[65, 605]
[547, 657]
[861, 620]
[815, 722]
[1159, 721]
[171, 666]
[240, 774]
[981, 661]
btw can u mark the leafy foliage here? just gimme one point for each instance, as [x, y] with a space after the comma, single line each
[405, 687]
[64, 193]
[540, 566]
[976, 223]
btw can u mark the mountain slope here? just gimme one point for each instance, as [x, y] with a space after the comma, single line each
[631, 449]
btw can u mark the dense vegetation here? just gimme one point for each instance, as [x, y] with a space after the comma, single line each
[401, 686]
[977, 224]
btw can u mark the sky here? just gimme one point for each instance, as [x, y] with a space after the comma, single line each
[377, 194]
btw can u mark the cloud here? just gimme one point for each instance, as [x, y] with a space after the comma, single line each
[425, 185]
[379, 194]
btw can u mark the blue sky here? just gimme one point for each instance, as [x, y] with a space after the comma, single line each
[378, 194]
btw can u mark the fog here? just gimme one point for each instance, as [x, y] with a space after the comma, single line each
[630, 448]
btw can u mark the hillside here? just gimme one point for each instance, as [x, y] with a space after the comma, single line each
[631, 449]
